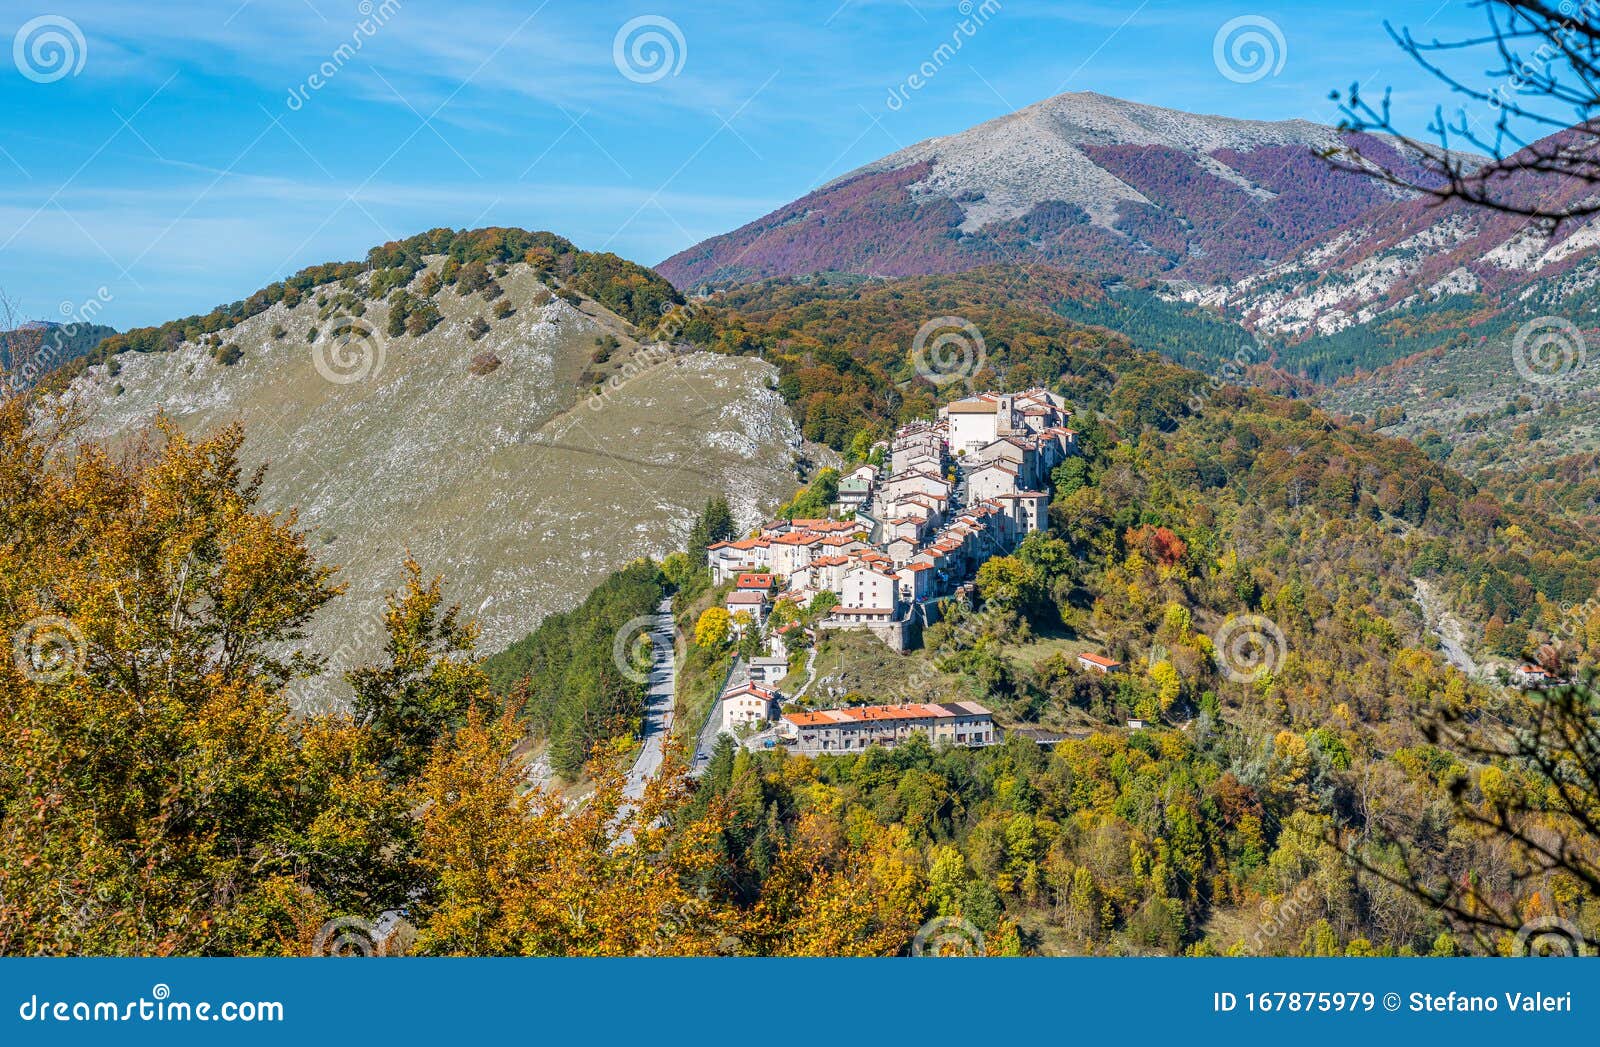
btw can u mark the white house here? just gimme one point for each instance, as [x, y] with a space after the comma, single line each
[1531, 676]
[789, 552]
[728, 559]
[768, 671]
[1098, 663]
[786, 639]
[992, 480]
[870, 588]
[973, 423]
[916, 582]
[748, 704]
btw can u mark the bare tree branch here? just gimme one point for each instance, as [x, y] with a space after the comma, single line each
[1526, 138]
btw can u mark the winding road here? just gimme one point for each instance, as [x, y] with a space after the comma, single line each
[658, 703]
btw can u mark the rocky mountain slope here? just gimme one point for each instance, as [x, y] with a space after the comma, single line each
[1451, 324]
[525, 455]
[1081, 181]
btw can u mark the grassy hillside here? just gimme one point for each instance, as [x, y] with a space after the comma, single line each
[474, 438]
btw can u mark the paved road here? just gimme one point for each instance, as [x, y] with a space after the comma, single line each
[658, 704]
[709, 733]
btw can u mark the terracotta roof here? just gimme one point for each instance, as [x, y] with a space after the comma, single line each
[972, 407]
[749, 688]
[746, 597]
[880, 713]
[1097, 659]
[754, 581]
[794, 538]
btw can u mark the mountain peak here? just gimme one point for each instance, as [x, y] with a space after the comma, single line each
[1082, 180]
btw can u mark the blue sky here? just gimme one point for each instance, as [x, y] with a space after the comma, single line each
[189, 161]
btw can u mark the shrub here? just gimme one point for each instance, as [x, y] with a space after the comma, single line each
[423, 320]
[483, 363]
[473, 276]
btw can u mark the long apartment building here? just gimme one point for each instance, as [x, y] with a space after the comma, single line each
[854, 729]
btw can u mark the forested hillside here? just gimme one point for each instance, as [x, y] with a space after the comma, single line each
[1274, 806]
[31, 351]
[565, 674]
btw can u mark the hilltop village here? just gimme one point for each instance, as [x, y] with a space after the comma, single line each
[901, 538]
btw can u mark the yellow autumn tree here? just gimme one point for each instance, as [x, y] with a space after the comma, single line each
[825, 898]
[713, 628]
[151, 771]
[518, 872]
